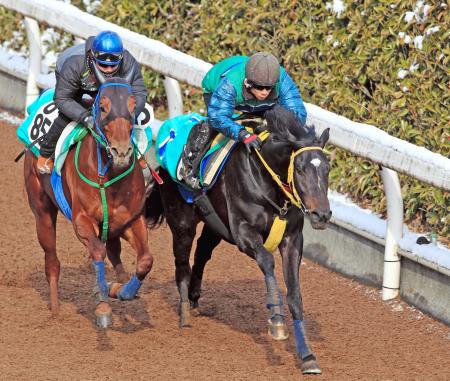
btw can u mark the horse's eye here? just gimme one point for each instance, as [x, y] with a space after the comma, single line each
[102, 109]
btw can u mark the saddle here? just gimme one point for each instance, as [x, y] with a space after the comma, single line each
[173, 136]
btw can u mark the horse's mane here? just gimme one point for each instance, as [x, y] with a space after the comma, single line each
[284, 124]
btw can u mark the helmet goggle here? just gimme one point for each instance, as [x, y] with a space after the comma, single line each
[259, 87]
[108, 59]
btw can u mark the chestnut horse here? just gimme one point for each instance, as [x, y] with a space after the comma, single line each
[104, 187]
[284, 181]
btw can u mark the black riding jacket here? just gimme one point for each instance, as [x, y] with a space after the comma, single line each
[75, 79]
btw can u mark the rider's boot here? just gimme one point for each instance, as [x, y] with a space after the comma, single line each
[48, 144]
[187, 171]
[193, 152]
[44, 165]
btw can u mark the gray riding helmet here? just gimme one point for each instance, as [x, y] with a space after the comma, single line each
[262, 69]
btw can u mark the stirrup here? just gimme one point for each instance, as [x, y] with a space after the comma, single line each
[44, 165]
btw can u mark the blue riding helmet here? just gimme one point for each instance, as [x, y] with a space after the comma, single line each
[107, 48]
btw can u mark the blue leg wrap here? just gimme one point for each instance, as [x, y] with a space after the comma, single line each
[130, 289]
[99, 268]
[300, 340]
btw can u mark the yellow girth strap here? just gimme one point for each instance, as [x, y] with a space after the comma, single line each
[276, 234]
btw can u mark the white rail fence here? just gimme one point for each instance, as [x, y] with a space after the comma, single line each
[392, 154]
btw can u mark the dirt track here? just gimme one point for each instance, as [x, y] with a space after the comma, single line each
[354, 334]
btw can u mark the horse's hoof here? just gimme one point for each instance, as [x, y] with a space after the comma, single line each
[103, 315]
[104, 321]
[278, 331]
[185, 315]
[310, 367]
[114, 289]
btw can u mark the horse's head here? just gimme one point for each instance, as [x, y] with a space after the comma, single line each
[114, 110]
[308, 165]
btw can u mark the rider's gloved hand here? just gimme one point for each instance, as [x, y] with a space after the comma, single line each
[88, 121]
[250, 140]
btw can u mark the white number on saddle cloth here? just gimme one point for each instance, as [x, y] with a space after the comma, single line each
[144, 122]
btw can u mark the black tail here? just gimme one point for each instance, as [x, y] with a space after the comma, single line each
[154, 212]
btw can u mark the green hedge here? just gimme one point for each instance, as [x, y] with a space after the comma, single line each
[347, 63]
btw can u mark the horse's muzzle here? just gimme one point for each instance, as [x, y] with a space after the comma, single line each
[121, 157]
[319, 218]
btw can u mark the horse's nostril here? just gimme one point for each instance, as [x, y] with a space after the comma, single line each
[122, 153]
[320, 216]
[314, 216]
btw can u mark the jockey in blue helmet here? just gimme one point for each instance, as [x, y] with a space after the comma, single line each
[107, 51]
[76, 81]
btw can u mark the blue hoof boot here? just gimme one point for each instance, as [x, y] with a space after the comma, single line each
[130, 289]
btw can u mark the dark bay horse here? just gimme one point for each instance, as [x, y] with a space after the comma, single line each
[247, 199]
[105, 190]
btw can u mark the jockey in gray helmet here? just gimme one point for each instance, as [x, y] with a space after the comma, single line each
[77, 85]
[247, 84]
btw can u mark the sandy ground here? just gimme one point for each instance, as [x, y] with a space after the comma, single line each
[355, 335]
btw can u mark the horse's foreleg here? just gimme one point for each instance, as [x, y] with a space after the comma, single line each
[251, 244]
[291, 251]
[205, 245]
[277, 325]
[85, 229]
[137, 236]
[113, 249]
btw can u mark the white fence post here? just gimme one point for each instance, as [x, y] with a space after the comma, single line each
[174, 97]
[394, 226]
[34, 68]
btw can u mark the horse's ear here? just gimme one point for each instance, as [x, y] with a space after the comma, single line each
[324, 137]
[105, 106]
[131, 104]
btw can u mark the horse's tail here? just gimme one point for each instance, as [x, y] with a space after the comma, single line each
[153, 209]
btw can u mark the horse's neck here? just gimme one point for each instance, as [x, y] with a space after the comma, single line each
[277, 159]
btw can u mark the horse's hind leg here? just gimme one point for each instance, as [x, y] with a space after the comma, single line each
[113, 249]
[205, 246]
[46, 233]
[45, 214]
[291, 249]
[183, 222]
[183, 237]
